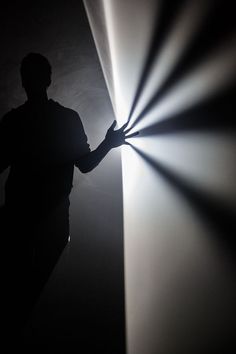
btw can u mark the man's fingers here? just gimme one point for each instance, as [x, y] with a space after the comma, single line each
[124, 126]
[126, 143]
[128, 130]
[131, 135]
[113, 125]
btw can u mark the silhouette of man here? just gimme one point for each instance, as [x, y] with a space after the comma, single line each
[41, 141]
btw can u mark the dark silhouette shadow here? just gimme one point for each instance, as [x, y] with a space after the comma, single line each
[40, 141]
[214, 115]
[214, 212]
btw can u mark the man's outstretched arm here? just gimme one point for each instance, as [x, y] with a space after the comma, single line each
[113, 138]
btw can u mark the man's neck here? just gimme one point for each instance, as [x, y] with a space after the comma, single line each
[39, 98]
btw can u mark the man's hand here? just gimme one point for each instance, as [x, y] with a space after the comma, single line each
[115, 138]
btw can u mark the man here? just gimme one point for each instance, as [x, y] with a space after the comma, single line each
[41, 141]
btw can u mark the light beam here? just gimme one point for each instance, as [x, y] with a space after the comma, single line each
[208, 78]
[174, 47]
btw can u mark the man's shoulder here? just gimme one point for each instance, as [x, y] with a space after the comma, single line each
[13, 113]
[55, 108]
[58, 107]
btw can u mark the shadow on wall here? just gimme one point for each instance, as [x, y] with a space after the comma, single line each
[209, 37]
[212, 116]
[168, 110]
[216, 214]
[159, 35]
[215, 115]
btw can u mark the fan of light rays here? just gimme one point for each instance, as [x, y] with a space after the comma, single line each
[211, 76]
[123, 41]
[153, 209]
[179, 37]
[122, 31]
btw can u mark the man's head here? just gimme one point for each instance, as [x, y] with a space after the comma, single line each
[35, 73]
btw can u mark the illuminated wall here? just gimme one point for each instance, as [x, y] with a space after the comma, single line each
[170, 68]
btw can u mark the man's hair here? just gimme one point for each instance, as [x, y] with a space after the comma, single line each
[35, 68]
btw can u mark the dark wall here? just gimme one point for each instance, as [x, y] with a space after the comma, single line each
[83, 301]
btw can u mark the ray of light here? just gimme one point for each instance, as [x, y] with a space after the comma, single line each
[175, 45]
[163, 230]
[102, 41]
[216, 73]
[125, 61]
[196, 157]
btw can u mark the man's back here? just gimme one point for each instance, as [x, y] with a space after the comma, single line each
[42, 144]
